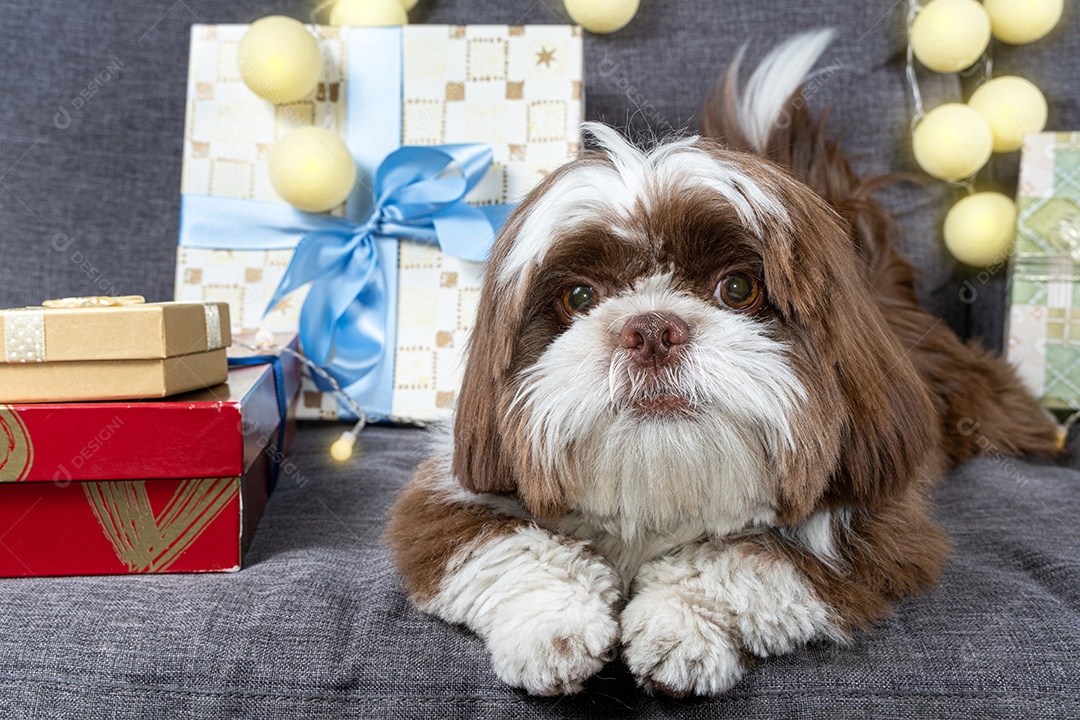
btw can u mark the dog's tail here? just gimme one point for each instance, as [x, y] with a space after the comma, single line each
[755, 117]
[769, 116]
[972, 388]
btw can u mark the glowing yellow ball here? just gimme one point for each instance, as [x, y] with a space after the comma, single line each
[1023, 21]
[952, 142]
[409, 4]
[312, 169]
[342, 448]
[980, 228]
[370, 13]
[602, 16]
[1012, 107]
[950, 35]
[279, 59]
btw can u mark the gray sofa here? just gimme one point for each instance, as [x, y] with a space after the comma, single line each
[317, 624]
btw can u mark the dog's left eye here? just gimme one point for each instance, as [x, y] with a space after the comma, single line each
[739, 291]
[578, 300]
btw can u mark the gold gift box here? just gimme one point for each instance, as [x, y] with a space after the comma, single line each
[111, 349]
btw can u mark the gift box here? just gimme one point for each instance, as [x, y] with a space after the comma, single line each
[516, 91]
[104, 349]
[153, 486]
[1043, 327]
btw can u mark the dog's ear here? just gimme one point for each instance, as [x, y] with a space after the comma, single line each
[481, 463]
[491, 449]
[892, 428]
[871, 418]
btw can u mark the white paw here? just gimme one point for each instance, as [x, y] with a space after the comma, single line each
[551, 641]
[677, 646]
[545, 605]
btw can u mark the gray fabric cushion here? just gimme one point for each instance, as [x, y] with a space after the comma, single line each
[318, 625]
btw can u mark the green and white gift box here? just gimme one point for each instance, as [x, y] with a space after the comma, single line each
[1043, 326]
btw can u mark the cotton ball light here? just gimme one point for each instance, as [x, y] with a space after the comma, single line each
[602, 16]
[342, 448]
[952, 142]
[369, 13]
[950, 35]
[980, 228]
[1023, 21]
[408, 4]
[1013, 107]
[279, 59]
[312, 169]
[263, 338]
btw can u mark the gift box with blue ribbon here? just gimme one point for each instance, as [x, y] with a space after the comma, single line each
[449, 126]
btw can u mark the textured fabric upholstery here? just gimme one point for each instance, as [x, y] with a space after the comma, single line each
[317, 625]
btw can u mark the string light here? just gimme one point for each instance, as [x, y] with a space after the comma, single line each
[980, 228]
[279, 60]
[344, 447]
[954, 141]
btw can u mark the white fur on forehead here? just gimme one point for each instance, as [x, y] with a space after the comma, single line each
[683, 164]
[588, 192]
[592, 190]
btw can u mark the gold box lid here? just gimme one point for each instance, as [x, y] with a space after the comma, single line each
[94, 329]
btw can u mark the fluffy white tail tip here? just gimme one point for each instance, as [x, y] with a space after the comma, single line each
[773, 82]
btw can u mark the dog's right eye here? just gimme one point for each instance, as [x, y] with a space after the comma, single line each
[578, 300]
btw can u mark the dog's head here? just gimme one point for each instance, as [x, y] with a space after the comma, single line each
[684, 333]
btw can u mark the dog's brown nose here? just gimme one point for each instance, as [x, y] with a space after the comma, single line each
[653, 337]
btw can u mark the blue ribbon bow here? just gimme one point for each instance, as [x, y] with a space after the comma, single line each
[419, 194]
[343, 320]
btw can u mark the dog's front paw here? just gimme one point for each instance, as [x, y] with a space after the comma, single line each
[677, 646]
[556, 651]
[544, 604]
[550, 641]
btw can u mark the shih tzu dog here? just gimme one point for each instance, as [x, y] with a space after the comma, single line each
[701, 412]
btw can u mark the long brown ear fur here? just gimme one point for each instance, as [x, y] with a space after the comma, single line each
[490, 454]
[883, 430]
[982, 406]
[480, 461]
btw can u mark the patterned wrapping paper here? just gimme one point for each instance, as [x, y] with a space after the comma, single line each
[1043, 328]
[517, 89]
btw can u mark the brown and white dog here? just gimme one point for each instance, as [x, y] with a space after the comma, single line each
[701, 413]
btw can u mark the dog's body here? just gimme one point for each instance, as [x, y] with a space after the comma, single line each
[701, 412]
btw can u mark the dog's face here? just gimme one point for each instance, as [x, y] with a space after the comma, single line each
[683, 335]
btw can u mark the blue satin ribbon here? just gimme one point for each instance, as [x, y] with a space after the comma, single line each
[344, 318]
[419, 195]
[274, 361]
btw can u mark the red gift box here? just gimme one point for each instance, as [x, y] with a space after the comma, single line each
[173, 485]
